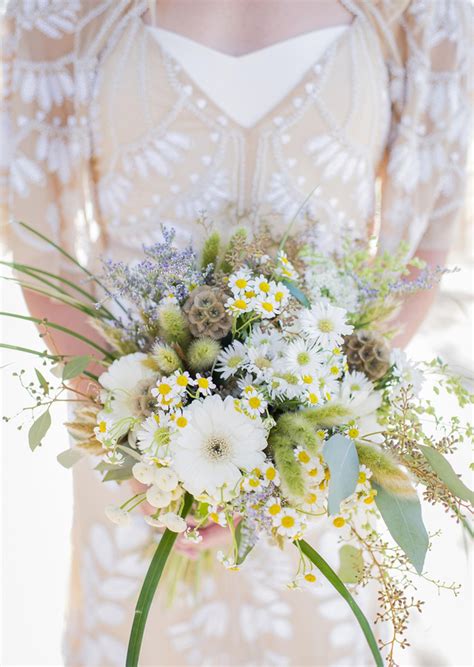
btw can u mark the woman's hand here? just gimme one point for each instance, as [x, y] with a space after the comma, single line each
[213, 536]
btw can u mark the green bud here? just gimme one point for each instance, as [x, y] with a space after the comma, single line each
[210, 250]
[173, 325]
[202, 353]
[385, 470]
[166, 359]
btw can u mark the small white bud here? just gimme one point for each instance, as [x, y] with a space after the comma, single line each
[157, 497]
[166, 479]
[117, 515]
[144, 473]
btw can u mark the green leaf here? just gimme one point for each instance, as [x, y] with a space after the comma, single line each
[297, 293]
[403, 519]
[120, 474]
[332, 577]
[44, 384]
[341, 456]
[69, 457]
[243, 549]
[75, 367]
[446, 474]
[147, 593]
[351, 564]
[38, 430]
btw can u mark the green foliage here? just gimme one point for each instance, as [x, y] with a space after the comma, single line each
[69, 457]
[202, 353]
[38, 430]
[402, 516]
[210, 250]
[341, 457]
[446, 473]
[351, 564]
[299, 431]
[282, 445]
[75, 367]
[173, 325]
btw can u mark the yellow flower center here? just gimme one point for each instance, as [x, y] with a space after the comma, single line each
[353, 432]
[164, 389]
[288, 522]
[303, 359]
[310, 577]
[255, 402]
[308, 379]
[266, 305]
[313, 398]
[362, 477]
[311, 498]
[102, 427]
[264, 286]
[182, 381]
[254, 483]
[181, 422]
[339, 522]
[279, 296]
[304, 457]
[270, 474]
[240, 304]
[203, 383]
[274, 509]
[241, 283]
[325, 325]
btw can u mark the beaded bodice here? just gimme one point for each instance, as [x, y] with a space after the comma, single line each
[109, 137]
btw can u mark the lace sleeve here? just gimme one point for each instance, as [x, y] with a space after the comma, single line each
[425, 174]
[50, 51]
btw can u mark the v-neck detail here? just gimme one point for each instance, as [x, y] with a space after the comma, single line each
[202, 100]
[244, 87]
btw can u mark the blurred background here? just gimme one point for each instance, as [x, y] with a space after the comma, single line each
[37, 501]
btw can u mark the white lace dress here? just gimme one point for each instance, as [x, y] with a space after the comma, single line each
[107, 135]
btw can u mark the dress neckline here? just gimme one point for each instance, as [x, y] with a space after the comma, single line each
[293, 102]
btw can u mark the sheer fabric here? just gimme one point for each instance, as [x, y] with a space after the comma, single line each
[106, 137]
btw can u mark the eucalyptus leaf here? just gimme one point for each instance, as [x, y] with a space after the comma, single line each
[69, 457]
[446, 473]
[75, 367]
[38, 430]
[43, 382]
[341, 457]
[122, 472]
[297, 293]
[403, 518]
[351, 564]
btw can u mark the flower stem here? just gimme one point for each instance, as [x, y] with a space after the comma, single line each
[150, 584]
[332, 577]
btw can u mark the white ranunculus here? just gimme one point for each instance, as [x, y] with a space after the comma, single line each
[157, 497]
[117, 515]
[144, 473]
[218, 444]
[123, 383]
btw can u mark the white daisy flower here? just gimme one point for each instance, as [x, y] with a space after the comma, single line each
[180, 381]
[123, 384]
[218, 444]
[274, 509]
[240, 281]
[204, 385]
[301, 357]
[354, 383]
[288, 523]
[285, 268]
[231, 359]
[406, 371]
[239, 304]
[165, 393]
[260, 362]
[154, 434]
[325, 324]
[254, 403]
[266, 305]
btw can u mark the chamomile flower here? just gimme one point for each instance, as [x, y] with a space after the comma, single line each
[354, 383]
[301, 357]
[363, 481]
[267, 306]
[325, 324]
[204, 385]
[179, 419]
[269, 474]
[273, 509]
[270, 338]
[240, 281]
[216, 515]
[285, 268]
[166, 398]
[254, 403]
[180, 381]
[288, 523]
[154, 434]
[231, 359]
[311, 397]
[239, 304]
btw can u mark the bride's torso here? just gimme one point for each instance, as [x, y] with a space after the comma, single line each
[180, 130]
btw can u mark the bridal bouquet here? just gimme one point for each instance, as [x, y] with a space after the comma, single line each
[255, 387]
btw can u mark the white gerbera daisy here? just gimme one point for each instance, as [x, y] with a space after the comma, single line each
[218, 444]
[125, 382]
[301, 357]
[325, 324]
[231, 359]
